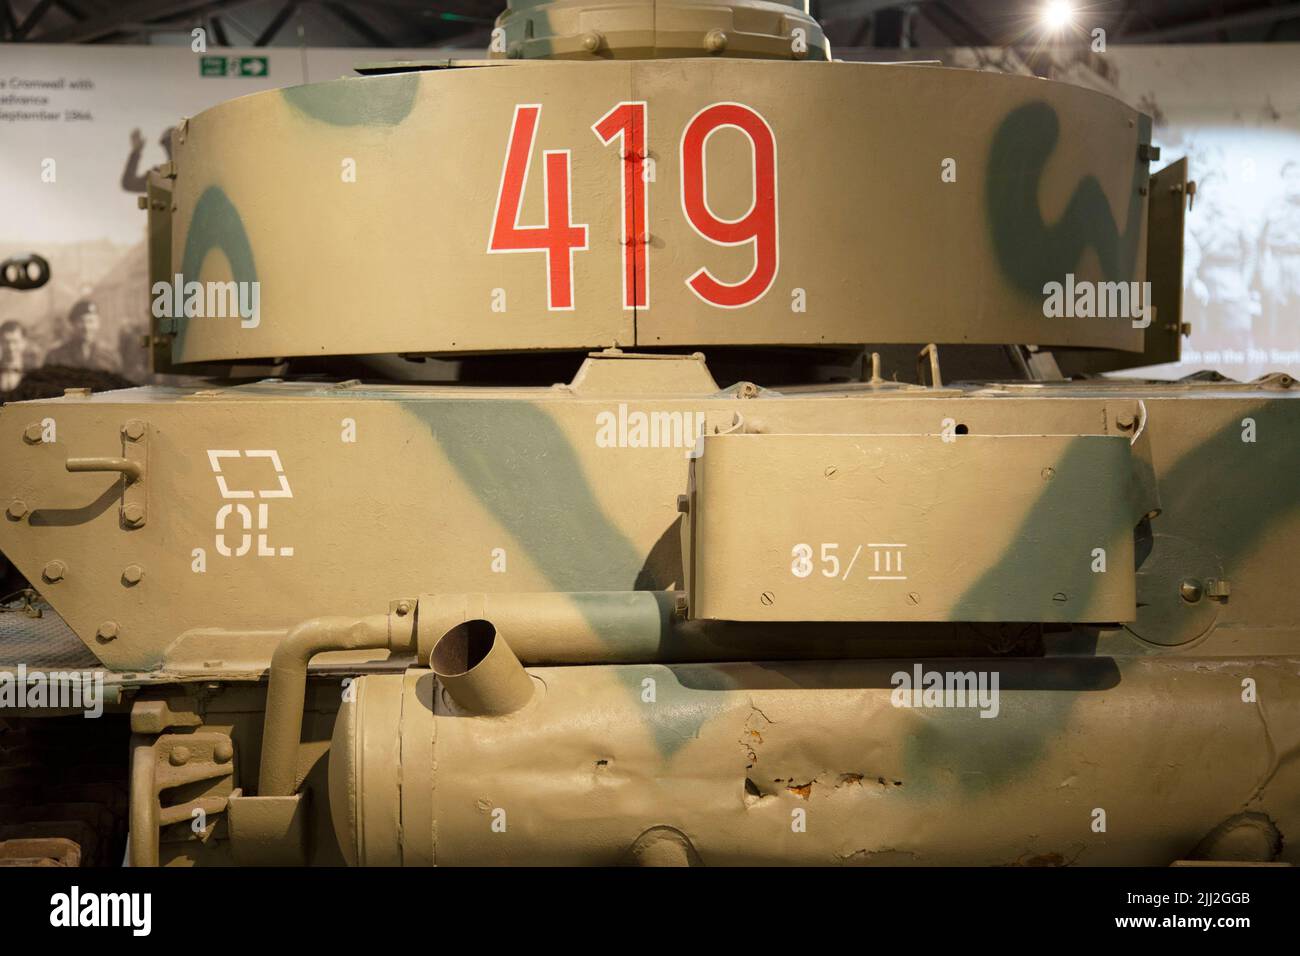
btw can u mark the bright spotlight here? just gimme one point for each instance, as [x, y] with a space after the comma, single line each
[1058, 15]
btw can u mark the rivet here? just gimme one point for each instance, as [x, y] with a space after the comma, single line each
[1190, 590]
[179, 756]
[403, 608]
[1048, 473]
[223, 751]
[715, 41]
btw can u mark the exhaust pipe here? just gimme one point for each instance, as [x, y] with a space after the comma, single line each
[480, 671]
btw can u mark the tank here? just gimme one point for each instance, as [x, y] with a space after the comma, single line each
[658, 442]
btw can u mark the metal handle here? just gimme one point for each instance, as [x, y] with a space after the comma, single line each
[131, 470]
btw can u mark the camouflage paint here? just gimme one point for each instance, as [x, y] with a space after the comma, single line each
[373, 101]
[1030, 251]
[215, 225]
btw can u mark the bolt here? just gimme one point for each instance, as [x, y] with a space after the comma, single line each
[683, 503]
[679, 605]
[1190, 590]
[1048, 473]
[134, 430]
[715, 41]
[223, 751]
[54, 571]
[179, 756]
[17, 509]
[403, 608]
[748, 390]
[132, 574]
[107, 632]
[766, 598]
[33, 434]
[133, 514]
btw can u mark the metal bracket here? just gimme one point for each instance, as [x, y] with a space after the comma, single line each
[131, 466]
[936, 380]
[199, 766]
[268, 831]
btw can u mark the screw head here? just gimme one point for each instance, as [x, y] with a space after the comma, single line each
[766, 598]
[133, 430]
[133, 514]
[54, 571]
[591, 41]
[132, 574]
[830, 471]
[107, 632]
[33, 433]
[1190, 590]
[17, 509]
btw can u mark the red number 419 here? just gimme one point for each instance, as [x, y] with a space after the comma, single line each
[559, 237]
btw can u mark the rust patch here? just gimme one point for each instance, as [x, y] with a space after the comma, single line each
[801, 790]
